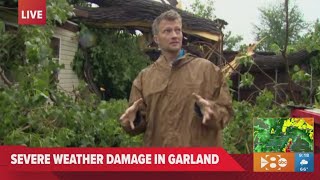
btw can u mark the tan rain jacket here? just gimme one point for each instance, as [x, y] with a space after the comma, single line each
[169, 116]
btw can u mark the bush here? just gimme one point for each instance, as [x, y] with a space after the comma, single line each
[26, 118]
[238, 135]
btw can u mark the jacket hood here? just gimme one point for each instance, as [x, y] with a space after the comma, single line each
[181, 61]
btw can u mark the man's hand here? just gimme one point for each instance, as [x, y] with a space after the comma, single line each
[130, 113]
[205, 108]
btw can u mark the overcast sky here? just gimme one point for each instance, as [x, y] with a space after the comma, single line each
[241, 14]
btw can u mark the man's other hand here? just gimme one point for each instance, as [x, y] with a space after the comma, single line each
[130, 113]
[205, 108]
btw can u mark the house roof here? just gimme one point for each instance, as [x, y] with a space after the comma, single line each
[141, 13]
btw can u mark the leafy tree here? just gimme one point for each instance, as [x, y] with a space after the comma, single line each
[232, 42]
[311, 41]
[272, 26]
[203, 10]
[116, 60]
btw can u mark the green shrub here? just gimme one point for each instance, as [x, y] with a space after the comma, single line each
[238, 135]
[29, 120]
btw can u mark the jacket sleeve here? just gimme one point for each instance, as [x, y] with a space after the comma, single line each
[219, 98]
[140, 121]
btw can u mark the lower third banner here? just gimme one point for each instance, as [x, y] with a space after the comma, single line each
[19, 158]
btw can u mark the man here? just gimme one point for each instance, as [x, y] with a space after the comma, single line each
[180, 100]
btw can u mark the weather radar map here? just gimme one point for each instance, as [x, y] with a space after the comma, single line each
[283, 135]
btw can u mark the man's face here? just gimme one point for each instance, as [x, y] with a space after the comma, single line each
[169, 37]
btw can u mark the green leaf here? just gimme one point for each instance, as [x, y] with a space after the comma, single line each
[296, 68]
[246, 80]
[275, 48]
[57, 18]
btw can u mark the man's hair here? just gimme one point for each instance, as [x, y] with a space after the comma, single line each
[170, 15]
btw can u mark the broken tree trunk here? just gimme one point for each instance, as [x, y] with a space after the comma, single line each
[276, 61]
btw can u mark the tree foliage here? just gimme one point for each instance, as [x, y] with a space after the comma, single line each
[311, 41]
[29, 120]
[232, 42]
[272, 26]
[203, 10]
[116, 60]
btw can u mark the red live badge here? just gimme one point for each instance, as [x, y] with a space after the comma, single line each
[32, 12]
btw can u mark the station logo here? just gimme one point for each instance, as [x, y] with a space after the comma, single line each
[274, 162]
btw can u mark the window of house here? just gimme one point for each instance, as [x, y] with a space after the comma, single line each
[55, 45]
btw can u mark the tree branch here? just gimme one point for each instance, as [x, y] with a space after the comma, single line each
[4, 78]
[284, 51]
